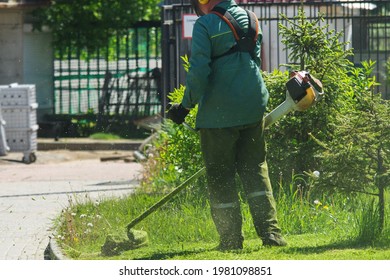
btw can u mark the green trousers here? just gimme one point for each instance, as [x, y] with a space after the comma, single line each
[238, 150]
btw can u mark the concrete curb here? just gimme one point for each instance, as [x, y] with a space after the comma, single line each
[87, 145]
[53, 251]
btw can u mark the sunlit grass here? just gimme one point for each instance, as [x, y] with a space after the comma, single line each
[183, 229]
[104, 136]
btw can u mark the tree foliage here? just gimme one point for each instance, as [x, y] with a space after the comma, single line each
[351, 125]
[346, 136]
[357, 159]
[90, 23]
[313, 48]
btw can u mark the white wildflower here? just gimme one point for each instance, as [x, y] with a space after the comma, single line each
[179, 170]
[316, 174]
[317, 202]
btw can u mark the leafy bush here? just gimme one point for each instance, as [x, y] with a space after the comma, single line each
[175, 154]
[356, 159]
[388, 71]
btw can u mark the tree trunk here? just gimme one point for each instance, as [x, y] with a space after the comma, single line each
[381, 187]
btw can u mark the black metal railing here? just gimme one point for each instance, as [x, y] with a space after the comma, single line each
[364, 24]
[120, 79]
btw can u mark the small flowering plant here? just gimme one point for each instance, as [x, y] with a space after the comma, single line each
[76, 226]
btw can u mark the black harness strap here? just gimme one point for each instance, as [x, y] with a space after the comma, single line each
[245, 42]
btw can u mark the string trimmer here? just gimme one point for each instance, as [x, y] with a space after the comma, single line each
[303, 91]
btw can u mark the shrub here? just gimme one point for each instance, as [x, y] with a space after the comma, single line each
[175, 154]
[289, 142]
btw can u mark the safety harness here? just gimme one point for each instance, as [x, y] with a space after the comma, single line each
[245, 41]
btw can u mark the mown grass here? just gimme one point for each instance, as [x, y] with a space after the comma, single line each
[301, 247]
[324, 229]
[104, 136]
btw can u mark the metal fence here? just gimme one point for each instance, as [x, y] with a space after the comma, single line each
[364, 24]
[122, 79]
[134, 74]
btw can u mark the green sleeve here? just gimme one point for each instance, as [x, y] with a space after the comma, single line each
[258, 48]
[199, 71]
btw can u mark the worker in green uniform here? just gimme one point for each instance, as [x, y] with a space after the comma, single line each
[232, 98]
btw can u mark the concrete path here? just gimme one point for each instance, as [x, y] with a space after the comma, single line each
[33, 195]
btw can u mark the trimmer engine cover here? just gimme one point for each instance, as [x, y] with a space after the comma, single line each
[297, 85]
[301, 88]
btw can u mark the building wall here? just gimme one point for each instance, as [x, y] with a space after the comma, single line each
[11, 45]
[26, 57]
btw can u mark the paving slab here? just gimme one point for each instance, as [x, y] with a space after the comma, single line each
[33, 195]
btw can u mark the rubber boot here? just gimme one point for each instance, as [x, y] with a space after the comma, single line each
[228, 221]
[263, 210]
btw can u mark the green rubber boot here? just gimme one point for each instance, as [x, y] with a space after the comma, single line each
[228, 221]
[263, 210]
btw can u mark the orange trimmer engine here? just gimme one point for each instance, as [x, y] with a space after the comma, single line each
[301, 88]
[303, 91]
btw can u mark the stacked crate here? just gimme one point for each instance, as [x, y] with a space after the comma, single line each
[18, 103]
[3, 142]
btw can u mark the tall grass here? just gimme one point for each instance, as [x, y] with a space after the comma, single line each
[302, 209]
[368, 226]
[83, 227]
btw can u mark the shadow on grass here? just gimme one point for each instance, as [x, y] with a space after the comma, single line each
[253, 250]
[172, 254]
[339, 245]
[208, 251]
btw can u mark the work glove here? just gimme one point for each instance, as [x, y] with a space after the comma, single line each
[177, 113]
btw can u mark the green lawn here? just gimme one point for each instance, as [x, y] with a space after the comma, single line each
[301, 247]
[183, 230]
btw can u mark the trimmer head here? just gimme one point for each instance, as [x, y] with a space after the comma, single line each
[115, 244]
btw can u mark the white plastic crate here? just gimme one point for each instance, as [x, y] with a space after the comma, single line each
[23, 140]
[20, 140]
[17, 95]
[20, 117]
[3, 141]
[19, 112]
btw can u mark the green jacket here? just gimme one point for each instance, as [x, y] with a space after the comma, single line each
[230, 90]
